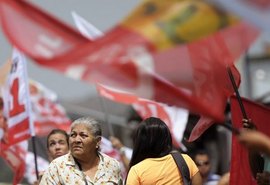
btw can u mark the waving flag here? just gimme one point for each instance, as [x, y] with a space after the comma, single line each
[86, 29]
[129, 59]
[47, 113]
[17, 103]
[175, 118]
[15, 158]
[260, 115]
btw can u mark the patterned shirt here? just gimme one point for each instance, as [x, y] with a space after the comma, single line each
[64, 170]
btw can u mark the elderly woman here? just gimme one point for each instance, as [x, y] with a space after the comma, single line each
[152, 162]
[84, 164]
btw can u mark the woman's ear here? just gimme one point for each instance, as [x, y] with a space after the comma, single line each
[98, 140]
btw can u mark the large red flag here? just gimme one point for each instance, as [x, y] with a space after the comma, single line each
[175, 118]
[129, 58]
[15, 158]
[260, 115]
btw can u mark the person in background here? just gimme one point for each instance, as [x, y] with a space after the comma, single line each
[259, 161]
[84, 164]
[202, 160]
[152, 162]
[57, 144]
[124, 151]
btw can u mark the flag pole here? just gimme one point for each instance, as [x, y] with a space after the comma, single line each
[31, 122]
[237, 93]
[103, 107]
[33, 138]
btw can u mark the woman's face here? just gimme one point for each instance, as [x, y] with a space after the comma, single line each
[82, 142]
[57, 145]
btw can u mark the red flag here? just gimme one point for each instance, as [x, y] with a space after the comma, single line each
[260, 115]
[46, 111]
[175, 118]
[15, 158]
[127, 59]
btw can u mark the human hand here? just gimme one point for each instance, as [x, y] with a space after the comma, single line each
[263, 178]
[248, 124]
[116, 143]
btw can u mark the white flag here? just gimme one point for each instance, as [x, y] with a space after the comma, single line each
[17, 106]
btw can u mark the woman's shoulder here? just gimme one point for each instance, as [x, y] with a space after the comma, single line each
[67, 158]
[104, 157]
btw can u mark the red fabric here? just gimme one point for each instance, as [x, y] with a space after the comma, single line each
[47, 113]
[145, 108]
[260, 115]
[126, 60]
[15, 158]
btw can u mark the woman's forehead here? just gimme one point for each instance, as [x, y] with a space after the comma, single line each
[57, 136]
[80, 128]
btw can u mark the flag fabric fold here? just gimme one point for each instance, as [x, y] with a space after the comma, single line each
[15, 158]
[128, 59]
[175, 118]
[260, 115]
[47, 113]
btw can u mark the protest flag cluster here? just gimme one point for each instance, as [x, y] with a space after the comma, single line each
[160, 54]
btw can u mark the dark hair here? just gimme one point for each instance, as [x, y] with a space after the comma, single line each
[152, 139]
[201, 152]
[57, 131]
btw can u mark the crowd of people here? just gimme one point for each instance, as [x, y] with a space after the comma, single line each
[75, 157]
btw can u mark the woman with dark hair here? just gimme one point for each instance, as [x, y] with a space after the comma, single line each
[152, 162]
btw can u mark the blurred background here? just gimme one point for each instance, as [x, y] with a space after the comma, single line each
[81, 99]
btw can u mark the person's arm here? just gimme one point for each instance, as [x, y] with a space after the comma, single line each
[225, 179]
[116, 143]
[256, 161]
[196, 179]
[255, 140]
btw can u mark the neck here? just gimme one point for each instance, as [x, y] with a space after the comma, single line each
[88, 162]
